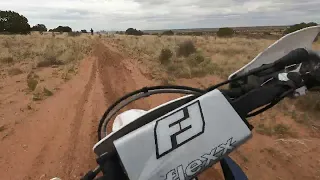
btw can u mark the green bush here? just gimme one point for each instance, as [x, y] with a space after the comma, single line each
[40, 28]
[14, 71]
[201, 66]
[32, 84]
[225, 32]
[47, 92]
[168, 33]
[6, 59]
[61, 29]
[74, 34]
[186, 48]
[131, 31]
[297, 27]
[195, 59]
[49, 61]
[165, 55]
[267, 33]
[180, 70]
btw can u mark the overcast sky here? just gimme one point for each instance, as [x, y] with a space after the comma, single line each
[164, 14]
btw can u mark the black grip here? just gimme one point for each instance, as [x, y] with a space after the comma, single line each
[89, 176]
[294, 57]
[258, 98]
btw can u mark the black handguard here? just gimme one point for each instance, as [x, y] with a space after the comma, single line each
[310, 71]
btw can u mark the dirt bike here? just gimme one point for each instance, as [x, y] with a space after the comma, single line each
[182, 138]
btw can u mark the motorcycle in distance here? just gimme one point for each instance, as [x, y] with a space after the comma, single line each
[182, 138]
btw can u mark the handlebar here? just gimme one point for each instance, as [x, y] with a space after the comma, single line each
[258, 92]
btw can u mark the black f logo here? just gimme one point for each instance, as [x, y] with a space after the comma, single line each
[177, 128]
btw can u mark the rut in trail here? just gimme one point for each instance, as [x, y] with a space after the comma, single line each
[57, 140]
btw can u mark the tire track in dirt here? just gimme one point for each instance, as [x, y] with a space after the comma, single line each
[70, 148]
[78, 121]
[121, 75]
[57, 140]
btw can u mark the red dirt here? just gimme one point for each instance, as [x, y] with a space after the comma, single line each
[56, 140]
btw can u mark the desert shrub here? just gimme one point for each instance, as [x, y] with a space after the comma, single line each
[32, 84]
[180, 70]
[195, 65]
[14, 71]
[131, 31]
[2, 128]
[195, 59]
[282, 129]
[262, 129]
[197, 33]
[40, 28]
[49, 61]
[165, 55]
[168, 33]
[6, 59]
[47, 92]
[74, 34]
[225, 32]
[61, 29]
[37, 97]
[201, 66]
[297, 27]
[186, 48]
[32, 75]
[267, 33]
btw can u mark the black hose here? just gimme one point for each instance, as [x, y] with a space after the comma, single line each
[142, 91]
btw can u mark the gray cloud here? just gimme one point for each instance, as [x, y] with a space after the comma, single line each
[165, 14]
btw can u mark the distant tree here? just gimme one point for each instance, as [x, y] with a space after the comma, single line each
[62, 29]
[198, 33]
[297, 27]
[168, 33]
[131, 31]
[39, 27]
[225, 32]
[12, 22]
[84, 31]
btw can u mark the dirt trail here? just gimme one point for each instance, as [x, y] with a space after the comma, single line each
[57, 140]
[43, 145]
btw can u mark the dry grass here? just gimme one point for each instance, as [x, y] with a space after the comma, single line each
[14, 71]
[280, 130]
[47, 92]
[33, 53]
[32, 84]
[43, 49]
[222, 56]
[227, 54]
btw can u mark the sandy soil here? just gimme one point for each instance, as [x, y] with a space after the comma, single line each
[55, 138]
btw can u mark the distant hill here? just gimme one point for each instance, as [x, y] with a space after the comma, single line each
[253, 28]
